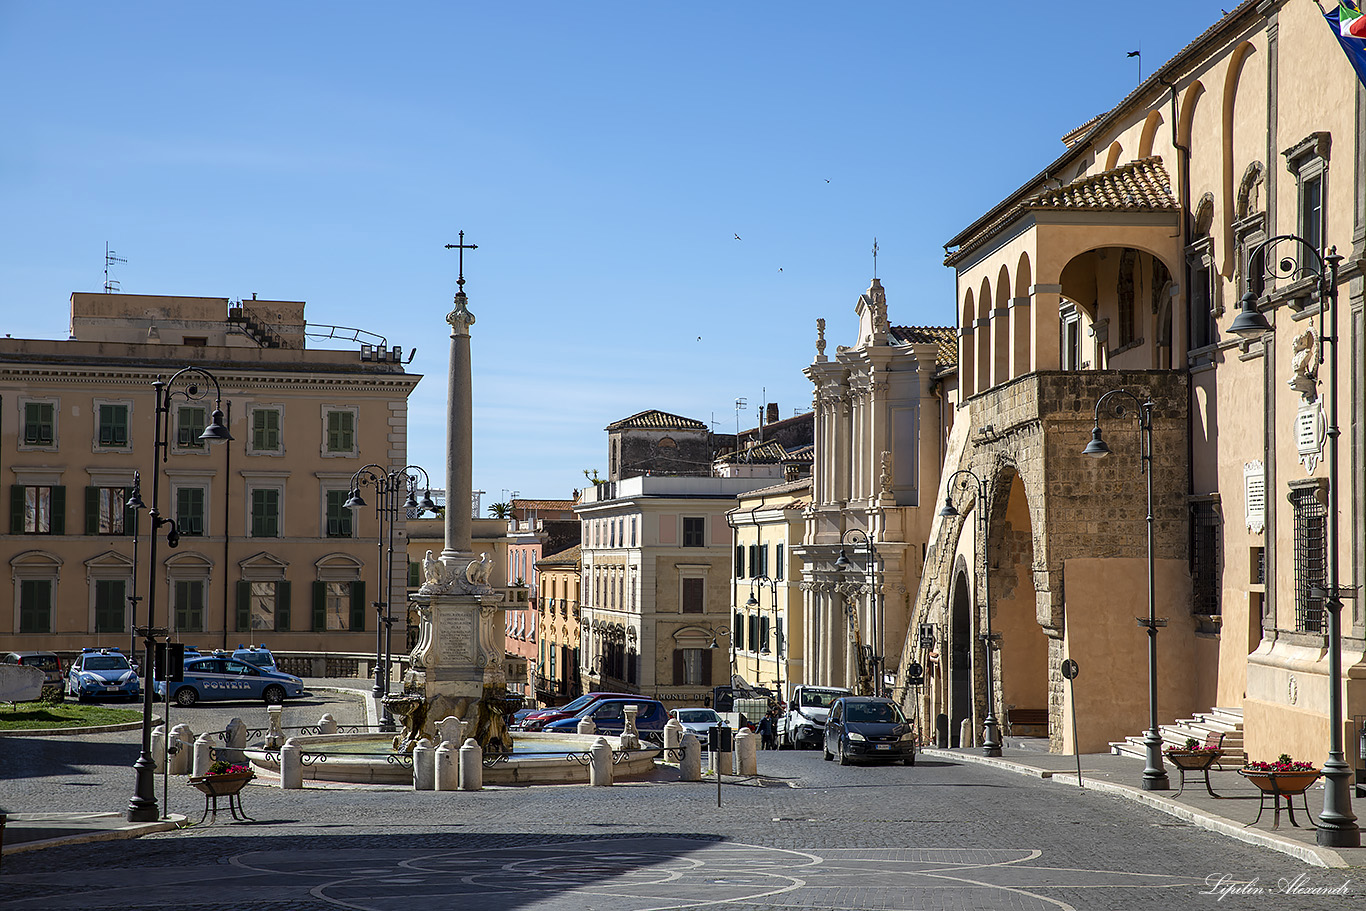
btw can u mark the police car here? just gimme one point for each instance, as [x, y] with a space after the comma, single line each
[216, 677]
[257, 656]
[102, 673]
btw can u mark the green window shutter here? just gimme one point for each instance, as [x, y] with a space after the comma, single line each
[59, 510]
[319, 607]
[357, 605]
[706, 665]
[92, 510]
[119, 425]
[16, 509]
[414, 575]
[679, 678]
[243, 605]
[282, 606]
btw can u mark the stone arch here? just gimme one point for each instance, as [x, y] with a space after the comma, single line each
[1204, 215]
[1000, 330]
[1236, 61]
[1112, 155]
[1090, 280]
[966, 350]
[1021, 360]
[959, 647]
[982, 327]
[1250, 190]
[1149, 134]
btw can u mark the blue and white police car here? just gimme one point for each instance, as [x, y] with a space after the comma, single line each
[102, 673]
[217, 677]
[257, 656]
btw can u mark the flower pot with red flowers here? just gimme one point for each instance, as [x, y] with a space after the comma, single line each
[224, 779]
[1285, 776]
[1194, 756]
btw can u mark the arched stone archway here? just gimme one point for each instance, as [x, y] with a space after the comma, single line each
[960, 653]
[1022, 659]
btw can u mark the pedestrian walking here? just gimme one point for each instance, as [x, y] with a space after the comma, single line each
[766, 740]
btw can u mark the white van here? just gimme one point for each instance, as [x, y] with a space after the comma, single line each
[803, 724]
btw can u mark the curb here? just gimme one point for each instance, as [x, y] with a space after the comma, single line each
[1310, 854]
[131, 830]
[97, 729]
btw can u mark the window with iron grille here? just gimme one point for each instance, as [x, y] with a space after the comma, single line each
[1205, 528]
[1311, 553]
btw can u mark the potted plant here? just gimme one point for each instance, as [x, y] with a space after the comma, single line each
[1284, 776]
[1194, 755]
[223, 779]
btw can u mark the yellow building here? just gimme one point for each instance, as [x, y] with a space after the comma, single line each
[266, 552]
[557, 676]
[1120, 266]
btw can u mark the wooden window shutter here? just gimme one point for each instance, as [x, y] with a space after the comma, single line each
[16, 509]
[92, 510]
[678, 667]
[319, 607]
[358, 605]
[706, 665]
[59, 510]
[282, 606]
[243, 605]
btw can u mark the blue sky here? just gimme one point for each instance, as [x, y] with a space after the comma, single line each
[602, 155]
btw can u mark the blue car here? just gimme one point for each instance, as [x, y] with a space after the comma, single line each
[215, 677]
[257, 656]
[609, 718]
[102, 673]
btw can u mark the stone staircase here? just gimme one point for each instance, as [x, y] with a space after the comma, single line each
[1226, 721]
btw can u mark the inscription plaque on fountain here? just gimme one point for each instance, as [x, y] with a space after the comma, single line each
[456, 637]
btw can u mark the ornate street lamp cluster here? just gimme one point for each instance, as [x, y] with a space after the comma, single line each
[388, 488]
[872, 652]
[143, 805]
[755, 586]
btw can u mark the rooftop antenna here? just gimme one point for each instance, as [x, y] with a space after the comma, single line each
[874, 257]
[110, 257]
[740, 404]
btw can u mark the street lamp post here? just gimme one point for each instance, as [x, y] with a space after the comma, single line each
[843, 564]
[388, 486]
[991, 728]
[143, 805]
[753, 604]
[1337, 824]
[1154, 772]
[136, 505]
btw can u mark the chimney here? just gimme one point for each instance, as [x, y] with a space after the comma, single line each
[772, 416]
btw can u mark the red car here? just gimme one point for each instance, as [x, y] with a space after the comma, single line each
[537, 721]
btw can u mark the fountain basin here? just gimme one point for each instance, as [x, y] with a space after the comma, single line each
[537, 758]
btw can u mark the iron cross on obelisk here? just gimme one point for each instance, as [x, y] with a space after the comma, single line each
[462, 247]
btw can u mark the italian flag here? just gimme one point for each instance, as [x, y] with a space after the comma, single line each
[1350, 21]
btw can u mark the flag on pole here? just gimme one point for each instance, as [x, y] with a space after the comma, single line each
[1349, 27]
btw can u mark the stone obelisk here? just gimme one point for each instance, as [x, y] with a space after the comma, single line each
[457, 666]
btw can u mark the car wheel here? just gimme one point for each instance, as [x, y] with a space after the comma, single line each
[844, 757]
[826, 751]
[910, 760]
[186, 696]
[274, 695]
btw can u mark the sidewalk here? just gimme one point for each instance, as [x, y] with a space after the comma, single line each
[1231, 813]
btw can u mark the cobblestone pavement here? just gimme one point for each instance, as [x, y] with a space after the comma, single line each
[943, 834]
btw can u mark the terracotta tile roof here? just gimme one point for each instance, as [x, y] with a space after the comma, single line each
[656, 420]
[546, 505]
[769, 453]
[1173, 70]
[1139, 186]
[943, 336]
[785, 487]
[566, 557]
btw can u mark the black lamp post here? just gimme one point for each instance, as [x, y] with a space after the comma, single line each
[1154, 772]
[143, 805]
[1337, 824]
[991, 728]
[753, 604]
[844, 564]
[136, 505]
[388, 486]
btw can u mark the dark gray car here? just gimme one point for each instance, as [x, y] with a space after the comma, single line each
[868, 727]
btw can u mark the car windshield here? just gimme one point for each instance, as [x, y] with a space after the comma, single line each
[874, 713]
[106, 663]
[702, 715]
[819, 700]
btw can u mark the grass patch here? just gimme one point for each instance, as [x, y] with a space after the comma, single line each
[62, 715]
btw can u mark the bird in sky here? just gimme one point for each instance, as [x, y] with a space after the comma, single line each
[827, 180]
[737, 236]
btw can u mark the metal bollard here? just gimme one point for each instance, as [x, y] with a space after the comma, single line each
[673, 734]
[424, 765]
[291, 765]
[600, 766]
[443, 767]
[747, 753]
[586, 726]
[327, 724]
[203, 756]
[690, 764]
[471, 766]
[965, 733]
